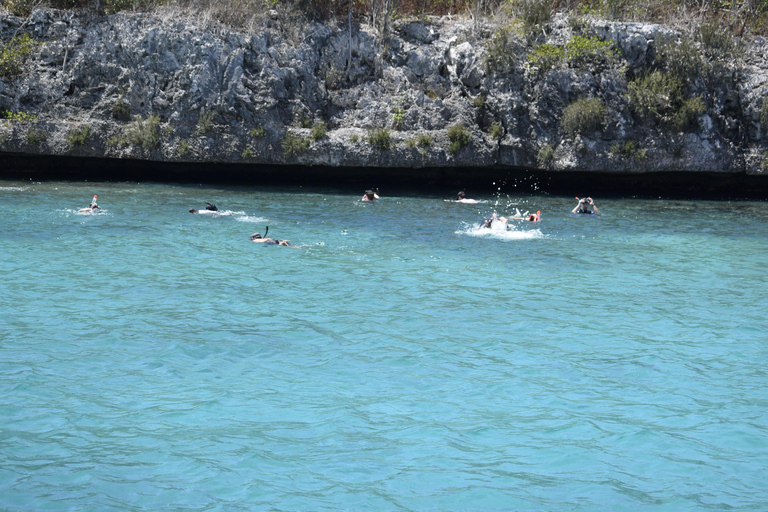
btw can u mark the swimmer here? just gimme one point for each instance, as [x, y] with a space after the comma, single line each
[585, 203]
[256, 237]
[209, 208]
[370, 195]
[535, 217]
[519, 216]
[461, 197]
[93, 207]
[201, 212]
[487, 223]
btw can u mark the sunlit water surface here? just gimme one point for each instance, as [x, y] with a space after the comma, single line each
[401, 359]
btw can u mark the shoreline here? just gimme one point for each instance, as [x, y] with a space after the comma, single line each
[662, 184]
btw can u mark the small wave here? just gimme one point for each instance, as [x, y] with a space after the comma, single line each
[13, 189]
[220, 213]
[238, 215]
[500, 232]
[251, 218]
[84, 211]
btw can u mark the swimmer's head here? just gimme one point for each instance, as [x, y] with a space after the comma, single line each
[461, 195]
[192, 210]
[255, 236]
[370, 194]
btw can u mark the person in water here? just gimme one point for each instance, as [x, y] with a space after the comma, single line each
[93, 207]
[461, 197]
[585, 203]
[256, 237]
[208, 207]
[370, 195]
[487, 223]
[533, 217]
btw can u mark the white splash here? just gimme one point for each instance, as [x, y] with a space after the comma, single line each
[86, 211]
[500, 231]
[251, 219]
[237, 215]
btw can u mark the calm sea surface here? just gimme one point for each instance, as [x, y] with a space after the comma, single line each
[400, 359]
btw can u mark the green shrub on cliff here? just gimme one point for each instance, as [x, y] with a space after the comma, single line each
[585, 116]
[182, 148]
[459, 137]
[114, 6]
[121, 110]
[719, 44]
[293, 144]
[257, 132]
[545, 156]
[686, 118]
[319, 129]
[17, 116]
[13, 55]
[501, 53]
[545, 57]
[423, 140]
[143, 133]
[590, 53]
[680, 59]
[205, 122]
[78, 136]
[36, 135]
[629, 149]
[496, 131]
[21, 8]
[380, 138]
[533, 14]
[764, 113]
[655, 96]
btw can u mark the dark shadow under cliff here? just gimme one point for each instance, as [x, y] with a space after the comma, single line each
[438, 180]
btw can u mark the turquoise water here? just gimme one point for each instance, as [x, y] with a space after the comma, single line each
[400, 360]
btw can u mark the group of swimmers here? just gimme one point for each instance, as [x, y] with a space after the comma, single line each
[256, 237]
[585, 206]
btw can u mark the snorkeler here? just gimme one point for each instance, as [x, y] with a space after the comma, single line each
[93, 207]
[585, 203]
[461, 197]
[370, 195]
[256, 237]
[487, 223]
[535, 217]
[209, 208]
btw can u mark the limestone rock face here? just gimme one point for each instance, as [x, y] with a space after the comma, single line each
[168, 87]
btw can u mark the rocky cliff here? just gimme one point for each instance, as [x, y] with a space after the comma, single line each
[435, 93]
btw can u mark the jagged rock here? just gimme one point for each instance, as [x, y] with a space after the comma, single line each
[283, 78]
